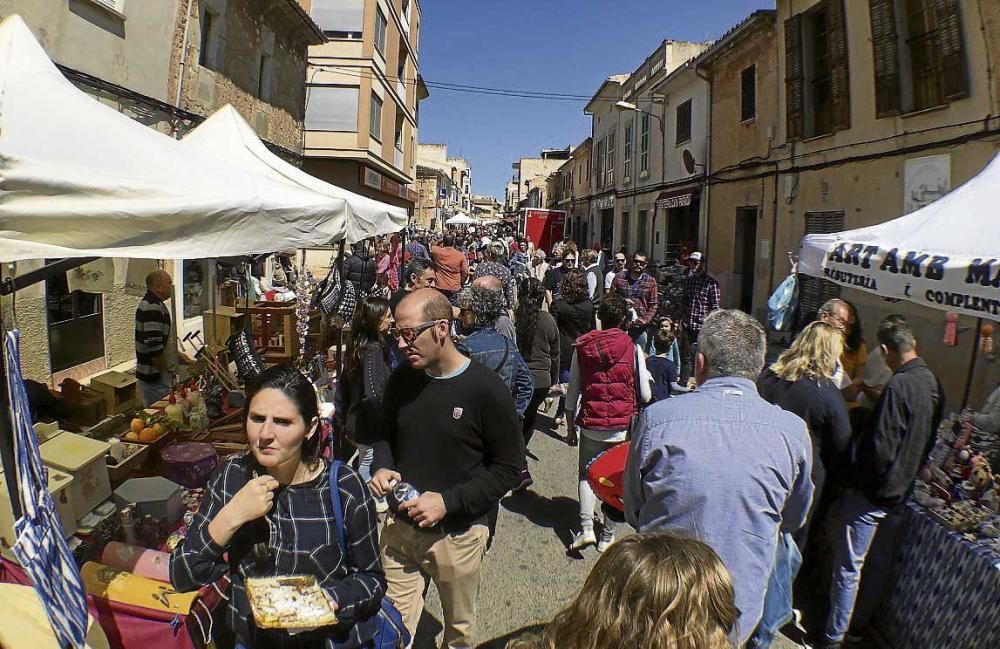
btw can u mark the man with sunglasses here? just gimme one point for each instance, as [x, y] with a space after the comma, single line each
[449, 429]
[565, 259]
[638, 289]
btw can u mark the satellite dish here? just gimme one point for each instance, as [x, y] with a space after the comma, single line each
[688, 160]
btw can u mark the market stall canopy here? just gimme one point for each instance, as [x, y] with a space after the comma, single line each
[80, 179]
[226, 136]
[944, 255]
[461, 219]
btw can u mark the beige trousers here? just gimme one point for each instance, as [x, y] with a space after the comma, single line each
[452, 561]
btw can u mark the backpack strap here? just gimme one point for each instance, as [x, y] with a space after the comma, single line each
[338, 509]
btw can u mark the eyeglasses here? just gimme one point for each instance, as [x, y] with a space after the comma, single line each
[410, 334]
[569, 260]
[619, 260]
[638, 262]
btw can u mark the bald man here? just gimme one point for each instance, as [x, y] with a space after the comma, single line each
[152, 333]
[450, 429]
[503, 324]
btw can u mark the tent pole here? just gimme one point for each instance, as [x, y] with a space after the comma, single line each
[972, 364]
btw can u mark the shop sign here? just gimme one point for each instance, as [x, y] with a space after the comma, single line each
[673, 202]
[963, 284]
[371, 178]
[606, 202]
[375, 180]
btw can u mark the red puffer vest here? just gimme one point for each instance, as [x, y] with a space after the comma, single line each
[607, 379]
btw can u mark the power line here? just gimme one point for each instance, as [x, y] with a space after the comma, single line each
[363, 73]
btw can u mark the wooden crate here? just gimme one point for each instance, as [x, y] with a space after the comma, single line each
[120, 391]
[272, 326]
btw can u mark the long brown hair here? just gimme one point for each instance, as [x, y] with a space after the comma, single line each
[648, 591]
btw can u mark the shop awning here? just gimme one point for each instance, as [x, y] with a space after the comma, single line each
[79, 179]
[227, 137]
[945, 255]
[461, 219]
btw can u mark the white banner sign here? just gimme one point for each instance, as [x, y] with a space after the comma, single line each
[963, 284]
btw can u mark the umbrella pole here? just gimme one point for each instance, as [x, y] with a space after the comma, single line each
[972, 364]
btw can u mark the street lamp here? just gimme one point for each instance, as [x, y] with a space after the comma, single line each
[627, 106]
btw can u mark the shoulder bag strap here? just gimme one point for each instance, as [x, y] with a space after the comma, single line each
[338, 509]
[638, 377]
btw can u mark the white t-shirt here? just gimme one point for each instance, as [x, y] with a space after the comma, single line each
[608, 279]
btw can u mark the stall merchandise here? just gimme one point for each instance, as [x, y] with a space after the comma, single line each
[944, 591]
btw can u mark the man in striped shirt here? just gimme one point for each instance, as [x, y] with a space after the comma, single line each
[152, 334]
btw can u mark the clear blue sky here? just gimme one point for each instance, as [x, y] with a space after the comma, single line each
[563, 46]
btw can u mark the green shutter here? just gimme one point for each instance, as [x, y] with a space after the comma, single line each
[954, 71]
[885, 53]
[840, 81]
[794, 78]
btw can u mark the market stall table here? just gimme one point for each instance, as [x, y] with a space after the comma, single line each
[944, 590]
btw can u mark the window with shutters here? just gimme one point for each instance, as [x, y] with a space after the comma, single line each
[683, 123]
[644, 144]
[817, 84]
[814, 291]
[627, 146]
[918, 53]
[609, 163]
[599, 163]
[748, 93]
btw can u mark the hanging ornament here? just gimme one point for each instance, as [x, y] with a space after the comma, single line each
[302, 300]
[951, 329]
[986, 339]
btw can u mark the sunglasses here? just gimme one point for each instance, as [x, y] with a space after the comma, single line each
[569, 260]
[638, 262]
[620, 260]
[410, 334]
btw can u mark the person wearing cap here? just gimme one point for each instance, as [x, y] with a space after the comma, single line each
[492, 265]
[701, 297]
[538, 265]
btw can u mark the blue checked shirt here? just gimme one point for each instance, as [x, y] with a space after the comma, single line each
[701, 297]
[301, 535]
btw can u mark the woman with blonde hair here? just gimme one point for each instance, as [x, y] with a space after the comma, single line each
[648, 591]
[801, 382]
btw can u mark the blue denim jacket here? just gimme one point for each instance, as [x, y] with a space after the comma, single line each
[724, 466]
[488, 347]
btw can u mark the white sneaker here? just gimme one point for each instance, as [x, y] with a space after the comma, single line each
[605, 542]
[583, 539]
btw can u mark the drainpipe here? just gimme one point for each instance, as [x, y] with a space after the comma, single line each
[706, 200]
[184, 52]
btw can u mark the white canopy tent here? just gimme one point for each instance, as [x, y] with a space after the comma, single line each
[944, 255]
[79, 179]
[226, 136]
[461, 219]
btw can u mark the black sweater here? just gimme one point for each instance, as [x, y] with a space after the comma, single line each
[821, 406]
[890, 453]
[458, 436]
[358, 398]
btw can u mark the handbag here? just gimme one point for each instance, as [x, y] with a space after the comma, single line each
[336, 296]
[390, 632]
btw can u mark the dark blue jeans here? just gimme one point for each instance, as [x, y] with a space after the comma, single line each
[778, 599]
[563, 378]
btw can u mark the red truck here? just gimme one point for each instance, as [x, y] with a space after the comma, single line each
[544, 228]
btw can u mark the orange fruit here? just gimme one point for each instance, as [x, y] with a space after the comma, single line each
[137, 425]
[131, 436]
[147, 435]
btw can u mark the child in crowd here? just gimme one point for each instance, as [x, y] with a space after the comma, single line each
[664, 365]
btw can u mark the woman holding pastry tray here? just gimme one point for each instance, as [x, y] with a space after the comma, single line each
[267, 520]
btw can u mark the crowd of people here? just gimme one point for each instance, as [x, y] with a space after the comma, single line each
[745, 484]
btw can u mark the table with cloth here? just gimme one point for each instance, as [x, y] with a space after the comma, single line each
[944, 591]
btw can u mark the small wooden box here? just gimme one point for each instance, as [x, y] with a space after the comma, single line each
[120, 391]
[221, 323]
